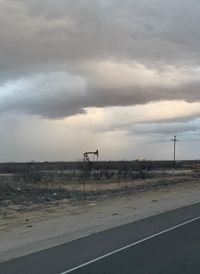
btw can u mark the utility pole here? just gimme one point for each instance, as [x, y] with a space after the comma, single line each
[174, 140]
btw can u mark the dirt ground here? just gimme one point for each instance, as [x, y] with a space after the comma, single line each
[19, 202]
[28, 226]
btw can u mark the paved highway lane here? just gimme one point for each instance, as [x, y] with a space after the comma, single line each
[175, 251]
[167, 249]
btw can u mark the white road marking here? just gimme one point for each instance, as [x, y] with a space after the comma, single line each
[130, 245]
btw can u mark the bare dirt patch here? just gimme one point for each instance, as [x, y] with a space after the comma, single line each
[29, 223]
[21, 203]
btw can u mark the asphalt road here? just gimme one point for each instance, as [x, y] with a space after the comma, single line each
[166, 243]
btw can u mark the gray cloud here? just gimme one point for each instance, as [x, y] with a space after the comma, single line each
[174, 128]
[86, 29]
[59, 95]
[53, 38]
[167, 128]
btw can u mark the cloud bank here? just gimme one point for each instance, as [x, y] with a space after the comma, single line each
[112, 74]
[69, 55]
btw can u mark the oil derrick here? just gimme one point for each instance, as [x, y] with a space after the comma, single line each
[88, 162]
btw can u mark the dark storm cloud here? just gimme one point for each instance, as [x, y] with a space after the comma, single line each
[73, 37]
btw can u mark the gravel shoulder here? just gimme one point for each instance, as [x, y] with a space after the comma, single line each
[24, 230]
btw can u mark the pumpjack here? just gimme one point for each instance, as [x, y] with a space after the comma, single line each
[88, 162]
[86, 157]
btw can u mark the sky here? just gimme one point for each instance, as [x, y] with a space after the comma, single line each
[121, 76]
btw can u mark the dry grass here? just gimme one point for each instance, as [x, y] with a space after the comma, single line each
[20, 192]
